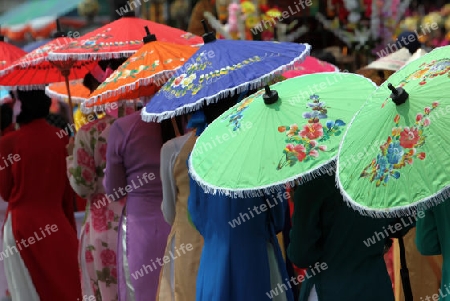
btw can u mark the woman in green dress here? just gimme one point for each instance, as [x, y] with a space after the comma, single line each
[341, 249]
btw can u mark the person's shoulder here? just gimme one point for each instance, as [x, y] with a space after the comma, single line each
[9, 137]
[177, 142]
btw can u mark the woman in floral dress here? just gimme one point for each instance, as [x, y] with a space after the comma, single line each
[98, 241]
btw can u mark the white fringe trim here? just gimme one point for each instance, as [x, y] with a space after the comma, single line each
[328, 167]
[250, 85]
[26, 88]
[67, 56]
[158, 78]
[63, 97]
[23, 65]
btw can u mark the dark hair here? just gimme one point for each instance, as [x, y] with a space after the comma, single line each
[403, 41]
[90, 82]
[214, 110]
[167, 130]
[324, 56]
[35, 105]
[6, 116]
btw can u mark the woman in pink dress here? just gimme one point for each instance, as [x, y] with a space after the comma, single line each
[133, 170]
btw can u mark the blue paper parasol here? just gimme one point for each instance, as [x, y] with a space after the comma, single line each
[221, 68]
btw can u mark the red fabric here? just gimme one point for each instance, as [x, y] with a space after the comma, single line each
[10, 53]
[299, 271]
[38, 193]
[81, 203]
[389, 259]
[123, 36]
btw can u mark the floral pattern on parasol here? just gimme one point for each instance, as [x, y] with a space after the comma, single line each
[399, 150]
[236, 113]
[426, 71]
[429, 70]
[97, 42]
[177, 87]
[303, 143]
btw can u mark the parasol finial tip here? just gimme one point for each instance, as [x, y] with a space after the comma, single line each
[209, 35]
[58, 25]
[271, 96]
[2, 37]
[399, 95]
[59, 33]
[149, 37]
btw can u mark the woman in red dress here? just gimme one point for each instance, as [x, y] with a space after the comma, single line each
[39, 237]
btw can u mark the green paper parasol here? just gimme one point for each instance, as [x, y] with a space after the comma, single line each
[256, 147]
[395, 155]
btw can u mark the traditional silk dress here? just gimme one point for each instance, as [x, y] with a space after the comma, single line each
[40, 242]
[133, 169]
[178, 277]
[327, 238]
[239, 261]
[97, 255]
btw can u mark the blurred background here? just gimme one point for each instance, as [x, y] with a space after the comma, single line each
[353, 30]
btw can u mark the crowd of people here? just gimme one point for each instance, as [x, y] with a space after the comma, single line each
[152, 234]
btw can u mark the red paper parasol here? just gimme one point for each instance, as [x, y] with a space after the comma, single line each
[9, 53]
[34, 70]
[121, 38]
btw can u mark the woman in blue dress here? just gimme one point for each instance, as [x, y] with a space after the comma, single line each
[241, 259]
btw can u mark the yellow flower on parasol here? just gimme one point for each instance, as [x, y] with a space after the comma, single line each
[143, 73]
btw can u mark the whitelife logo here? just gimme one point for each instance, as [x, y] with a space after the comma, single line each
[31, 241]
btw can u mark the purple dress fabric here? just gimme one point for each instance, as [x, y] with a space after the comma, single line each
[132, 167]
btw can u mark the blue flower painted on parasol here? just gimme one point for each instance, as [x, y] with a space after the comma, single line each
[399, 150]
[319, 109]
[236, 113]
[394, 153]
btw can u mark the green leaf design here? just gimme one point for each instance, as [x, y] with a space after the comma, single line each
[102, 275]
[92, 143]
[104, 244]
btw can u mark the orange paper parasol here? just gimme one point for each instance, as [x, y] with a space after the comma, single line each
[79, 94]
[143, 73]
[78, 91]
